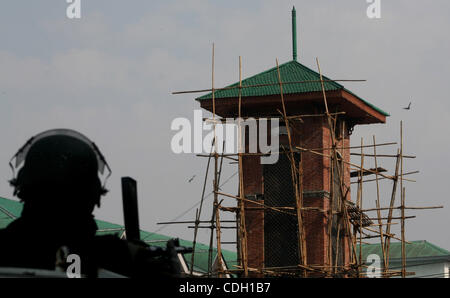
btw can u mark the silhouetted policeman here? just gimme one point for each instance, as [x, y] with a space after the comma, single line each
[60, 186]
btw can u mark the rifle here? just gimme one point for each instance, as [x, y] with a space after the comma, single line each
[166, 258]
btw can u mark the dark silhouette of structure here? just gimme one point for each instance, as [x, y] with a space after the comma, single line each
[60, 186]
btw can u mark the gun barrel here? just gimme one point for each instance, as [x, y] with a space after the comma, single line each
[130, 208]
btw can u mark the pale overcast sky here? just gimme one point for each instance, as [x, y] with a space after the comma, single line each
[110, 75]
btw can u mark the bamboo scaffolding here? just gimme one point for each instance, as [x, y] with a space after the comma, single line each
[366, 173]
[212, 227]
[236, 154]
[391, 205]
[224, 120]
[300, 208]
[386, 235]
[378, 204]
[386, 218]
[406, 208]
[337, 214]
[383, 155]
[218, 220]
[265, 207]
[198, 214]
[298, 199]
[340, 206]
[310, 268]
[242, 227]
[330, 216]
[215, 204]
[402, 203]
[228, 155]
[334, 161]
[360, 194]
[352, 164]
[240, 86]
[256, 203]
[300, 148]
[353, 147]
[191, 222]
[371, 180]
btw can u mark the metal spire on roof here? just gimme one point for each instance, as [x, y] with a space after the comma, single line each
[294, 34]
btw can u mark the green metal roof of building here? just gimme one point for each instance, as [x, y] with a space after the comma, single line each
[415, 250]
[10, 210]
[290, 72]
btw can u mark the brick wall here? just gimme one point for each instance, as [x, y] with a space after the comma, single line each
[313, 133]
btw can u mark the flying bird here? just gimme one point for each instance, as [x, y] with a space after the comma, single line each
[192, 178]
[408, 107]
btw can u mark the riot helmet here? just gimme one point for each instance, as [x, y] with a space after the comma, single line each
[59, 162]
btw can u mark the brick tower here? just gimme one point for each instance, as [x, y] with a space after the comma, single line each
[272, 237]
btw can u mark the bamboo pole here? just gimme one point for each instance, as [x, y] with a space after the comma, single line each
[353, 147]
[384, 155]
[191, 222]
[261, 85]
[213, 227]
[265, 207]
[393, 177]
[335, 158]
[293, 117]
[210, 251]
[382, 224]
[330, 214]
[242, 228]
[215, 168]
[197, 216]
[386, 218]
[218, 232]
[340, 205]
[216, 174]
[391, 205]
[301, 238]
[300, 208]
[402, 203]
[406, 208]
[256, 203]
[378, 204]
[352, 164]
[360, 192]
[343, 205]
[386, 235]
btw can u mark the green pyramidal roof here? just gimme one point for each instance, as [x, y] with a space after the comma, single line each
[267, 84]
